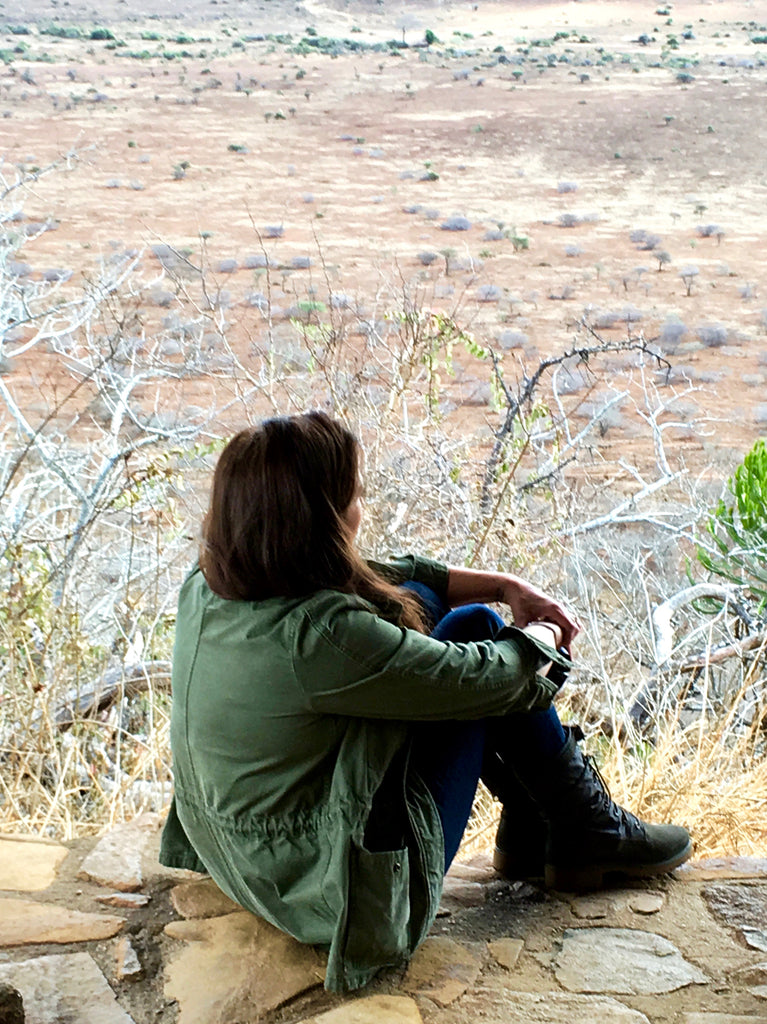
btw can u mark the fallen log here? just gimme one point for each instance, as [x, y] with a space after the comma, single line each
[115, 683]
[720, 654]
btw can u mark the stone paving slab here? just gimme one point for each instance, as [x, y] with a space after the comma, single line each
[506, 951]
[235, 968]
[371, 1010]
[64, 989]
[715, 868]
[201, 898]
[24, 922]
[28, 865]
[115, 860]
[511, 1007]
[442, 970]
[622, 960]
[722, 1018]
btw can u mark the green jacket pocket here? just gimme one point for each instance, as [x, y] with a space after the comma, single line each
[378, 908]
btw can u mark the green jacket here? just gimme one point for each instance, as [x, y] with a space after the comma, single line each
[286, 715]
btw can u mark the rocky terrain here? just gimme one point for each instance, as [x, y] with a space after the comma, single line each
[96, 932]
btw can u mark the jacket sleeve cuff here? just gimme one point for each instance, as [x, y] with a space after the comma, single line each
[542, 654]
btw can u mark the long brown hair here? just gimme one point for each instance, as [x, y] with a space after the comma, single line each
[275, 525]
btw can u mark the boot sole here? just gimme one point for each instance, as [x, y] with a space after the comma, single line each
[592, 876]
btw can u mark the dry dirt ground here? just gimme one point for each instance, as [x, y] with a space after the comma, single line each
[204, 126]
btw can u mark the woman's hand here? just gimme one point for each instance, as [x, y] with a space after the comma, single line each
[529, 605]
[526, 602]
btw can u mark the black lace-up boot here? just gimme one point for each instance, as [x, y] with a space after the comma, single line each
[591, 837]
[520, 844]
[560, 823]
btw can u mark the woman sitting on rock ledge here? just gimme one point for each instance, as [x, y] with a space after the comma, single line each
[332, 716]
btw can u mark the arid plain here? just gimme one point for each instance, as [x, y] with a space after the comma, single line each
[571, 143]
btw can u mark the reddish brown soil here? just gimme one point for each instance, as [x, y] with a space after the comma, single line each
[645, 150]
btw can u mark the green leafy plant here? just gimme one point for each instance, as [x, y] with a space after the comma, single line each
[738, 528]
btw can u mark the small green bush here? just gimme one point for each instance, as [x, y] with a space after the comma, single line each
[738, 528]
[61, 31]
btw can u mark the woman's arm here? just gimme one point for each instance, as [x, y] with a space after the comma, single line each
[528, 605]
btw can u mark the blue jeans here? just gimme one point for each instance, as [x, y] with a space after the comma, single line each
[450, 756]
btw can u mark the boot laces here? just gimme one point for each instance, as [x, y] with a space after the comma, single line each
[603, 806]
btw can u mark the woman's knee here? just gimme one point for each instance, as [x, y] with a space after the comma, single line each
[470, 622]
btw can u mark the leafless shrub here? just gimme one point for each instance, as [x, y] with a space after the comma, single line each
[712, 335]
[456, 223]
[671, 334]
[605, 320]
[512, 339]
[256, 261]
[569, 220]
[631, 315]
[710, 231]
[645, 240]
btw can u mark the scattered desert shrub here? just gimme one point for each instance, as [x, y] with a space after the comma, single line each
[712, 335]
[567, 186]
[456, 223]
[605, 321]
[57, 274]
[427, 257]
[671, 334]
[489, 293]
[709, 231]
[256, 261]
[509, 339]
[645, 240]
[631, 315]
